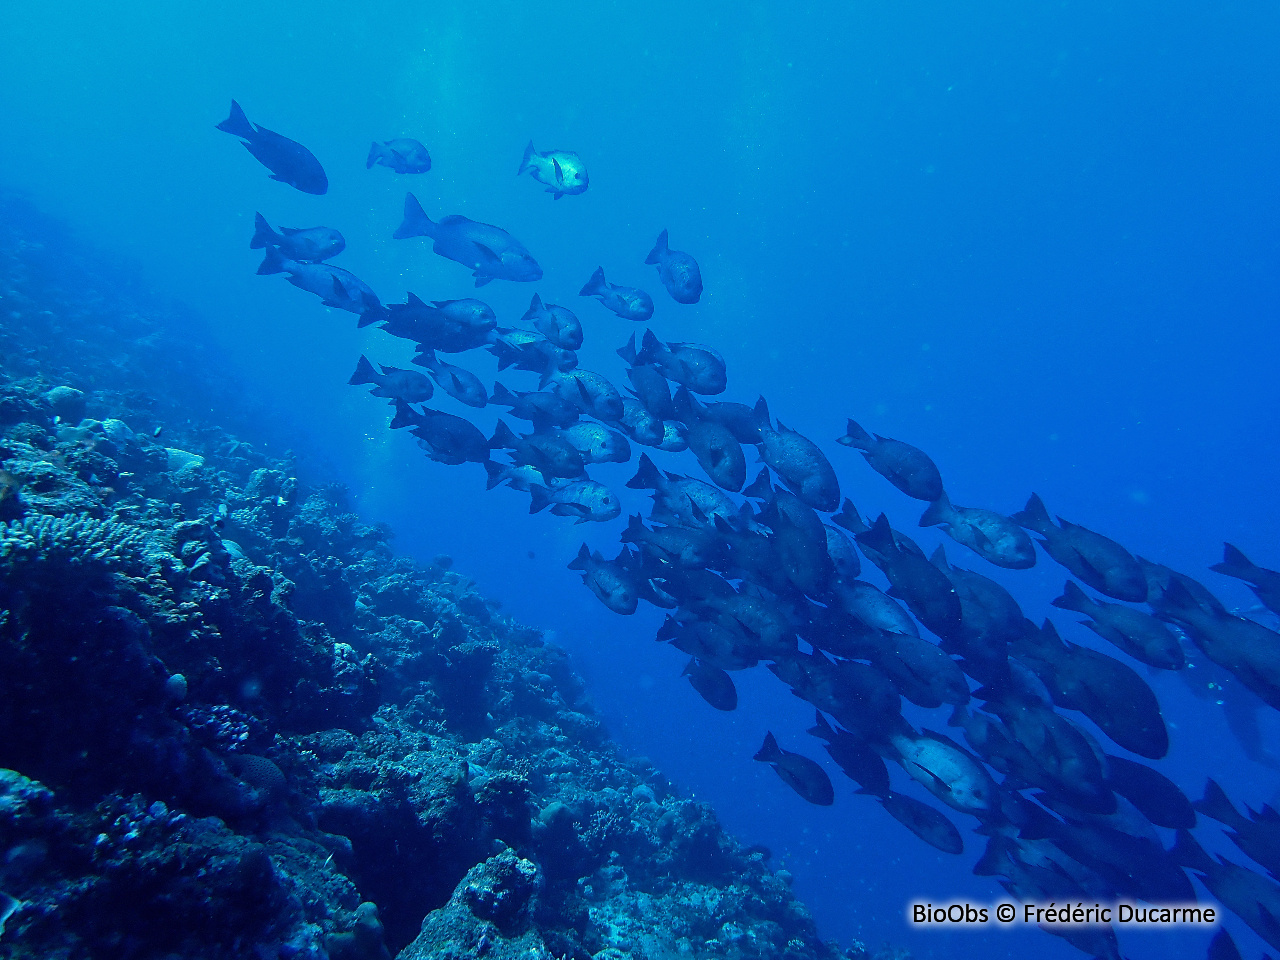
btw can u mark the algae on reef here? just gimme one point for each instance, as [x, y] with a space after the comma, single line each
[234, 724]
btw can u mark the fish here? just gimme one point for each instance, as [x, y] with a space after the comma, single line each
[673, 438]
[650, 387]
[641, 425]
[403, 155]
[530, 350]
[854, 756]
[843, 554]
[610, 580]
[872, 607]
[921, 671]
[946, 770]
[990, 535]
[682, 500]
[924, 821]
[597, 443]
[556, 323]
[925, 589]
[1264, 583]
[334, 286]
[801, 542]
[738, 418]
[561, 172]
[1251, 897]
[857, 694]
[549, 453]
[488, 251]
[699, 368]
[713, 684]
[990, 620]
[517, 476]
[801, 774]
[458, 382]
[584, 500]
[542, 408]
[678, 271]
[707, 641]
[446, 326]
[1257, 835]
[908, 468]
[448, 439]
[1155, 795]
[629, 303]
[1222, 947]
[392, 383]
[589, 392]
[682, 546]
[798, 462]
[288, 161]
[1138, 634]
[713, 444]
[305, 245]
[1096, 560]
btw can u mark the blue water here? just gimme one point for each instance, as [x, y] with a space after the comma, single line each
[1041, 242]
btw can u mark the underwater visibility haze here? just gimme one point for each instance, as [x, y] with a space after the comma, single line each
[379, 382]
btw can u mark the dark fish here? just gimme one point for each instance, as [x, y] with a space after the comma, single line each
[1097, 560]
[517, 476]
[923, 587]
[306, 245]
[713, 444]
[856, 694]
[906, 467]
[678, 271]
[843, 554]
[682, 500]
[597, 443]
[630, 303]
[1159, 577]
[556, 323]
[1247, 649]
[1257, 835]
[713, 684]
[708, 641]
[448, 326]
[682, 546]
[561, 172]
[799, 773]
[641, 425]
[990, 620]
[393, 384]
[990, 535]
[1264, 583]
[924, 821]
[1251, 897]
[921, 671]
[581, 499]
[673, 439]
[610, 580]
[448, 439]
[542, 408]
[529, 350]
[548, 453]
[590, 393]
[738, 418]
[699, 368]
[854, 756]
[334, 286]
[289, 162]
[801, 542]
[1222, 947]
[1154, 794]
[650, 387]
[458, 382]
[488, 251]
[946, 770]
[402, 155]
[1138, 634]
[798, 463]
[871, 606]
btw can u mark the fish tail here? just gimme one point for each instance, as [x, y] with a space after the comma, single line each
[769, 752]
[879, 537]
[375, 154]
[404, 416]
[416, 223]
[535, 310]
[524, 161]
[594, 287]
[540, 498]
[364, 372]
[1073, 598]
[628, 351]
[1217, 805]
[1235, 564]
[939, 511]
[647, 476]
[762, 414]
[493, 474]
[1034, 516]
[582, 560]
[237, 124]
[821, 729]
[263, 235]
[503, 438]
[760, 488]
[1187, 852]
[855, 436]
[272, 262]
[501, 395]
[659, 249]
[373, 312]
[650, 347]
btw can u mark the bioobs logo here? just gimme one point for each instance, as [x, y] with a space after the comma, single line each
[955, 914]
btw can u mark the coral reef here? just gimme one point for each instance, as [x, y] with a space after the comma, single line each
[235, 724]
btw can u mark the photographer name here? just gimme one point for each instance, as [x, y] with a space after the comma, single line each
[962, 914]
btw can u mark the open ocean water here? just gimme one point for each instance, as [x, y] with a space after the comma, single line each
[1040, 242]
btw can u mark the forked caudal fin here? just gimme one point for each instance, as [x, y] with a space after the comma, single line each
[595, 287]
[263, 235]
[659, 249]
[237, 124]
[416, 223]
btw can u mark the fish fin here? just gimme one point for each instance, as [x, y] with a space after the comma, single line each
[849, 518]
[628, 351]
[1073, 598]
[939, 559]
[1216, 805]
[855, 436]
[762, 414]
[411, 299]
[690, 667]
[1222, 947]
[759, 488]
[503, 437]
[582, 560]
[364, 372]
[939, 511]
[647, 476]
[373, 311]
[272, 261]
[659, 248]
[555, 194]
[535, 310]
[594, 287]
[1034, 516]
[263, 235]
[1235, 564]
[555, 164]
[404, 417]
[416, 223]
[375, 154]
[769, 752]
[650, 346]
[879, 537]
[698, 513]
[821, 728]
[482, 279]
[502, 396]
[635, 528]
[540, 498]
[524, 161]
[682, 403]
[237, 124]
[1188, 853]
[493, 474]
